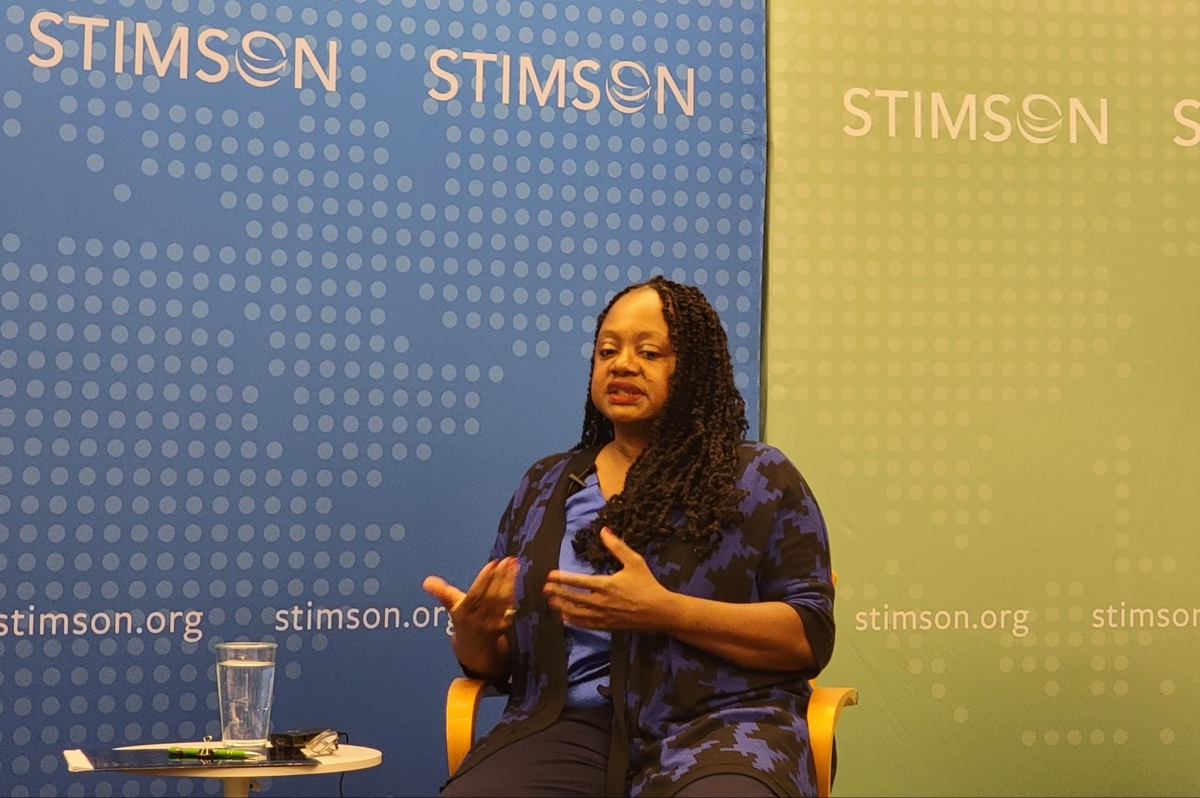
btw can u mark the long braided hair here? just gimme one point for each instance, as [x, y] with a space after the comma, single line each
[683, 485]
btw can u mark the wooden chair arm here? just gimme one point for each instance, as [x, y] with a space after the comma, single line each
[824, 708]
[462, 704]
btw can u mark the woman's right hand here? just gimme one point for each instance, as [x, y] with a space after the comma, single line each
[481, 615]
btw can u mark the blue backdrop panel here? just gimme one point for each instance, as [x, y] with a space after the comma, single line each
[290, 295]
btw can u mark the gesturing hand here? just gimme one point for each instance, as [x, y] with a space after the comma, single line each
[629, 599]
[482, 611]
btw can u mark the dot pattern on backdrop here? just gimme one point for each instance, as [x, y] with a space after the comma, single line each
[302, 312]
[124, 374]
[669, 230]
[931, 282]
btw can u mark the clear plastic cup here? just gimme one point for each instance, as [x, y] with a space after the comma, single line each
[245, 690]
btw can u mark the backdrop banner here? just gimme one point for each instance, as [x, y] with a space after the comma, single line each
[980, 350]
[291, 296]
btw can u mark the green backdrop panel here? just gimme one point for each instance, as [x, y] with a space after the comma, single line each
[981, 321]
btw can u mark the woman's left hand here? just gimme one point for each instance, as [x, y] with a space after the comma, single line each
[629, 599]
[768, 635]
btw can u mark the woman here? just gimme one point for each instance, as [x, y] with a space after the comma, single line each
[665, 568]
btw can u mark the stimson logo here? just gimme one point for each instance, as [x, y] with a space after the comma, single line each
[261, 60]
[1037, 118]
[628, 87]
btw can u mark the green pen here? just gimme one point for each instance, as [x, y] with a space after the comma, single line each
[211, 753]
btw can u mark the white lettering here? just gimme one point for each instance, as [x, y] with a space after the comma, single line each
[143, 40]
[1039, 118]
[90, 24]
[480, 59]
[56, 48]
[966, 112]
[327, 76]
[586, 85]
[558, 71]
[665, 79]
[892, 95]
[1033, 125]
[628, 88]
[97, 627]
[119, 47]
[848, 103]
[1191, 124]
[624, 97]
[992, 114]
[253, 67]
[451, 79]
[212, 55]
[1077, 111]
[260, 66]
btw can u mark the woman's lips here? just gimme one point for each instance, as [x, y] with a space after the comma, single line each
[621, 393]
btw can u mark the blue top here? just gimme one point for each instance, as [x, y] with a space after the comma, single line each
[587, 649]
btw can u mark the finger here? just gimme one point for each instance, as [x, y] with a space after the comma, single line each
[443, 591]
[502, 577]
[576, 614]
[480, 585]
[619, 548]
[573, 601]
[494, 589]
[578, 581]
[580, 622]
[585, 618]
[505, 582]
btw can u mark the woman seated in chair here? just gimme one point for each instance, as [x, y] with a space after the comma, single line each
[658, 596]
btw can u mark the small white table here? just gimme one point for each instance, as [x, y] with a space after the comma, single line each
[239, 781]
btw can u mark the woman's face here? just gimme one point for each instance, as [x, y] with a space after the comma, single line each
[632, 363]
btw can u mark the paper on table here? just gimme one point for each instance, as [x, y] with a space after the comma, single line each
[141, 759]
[77, 760]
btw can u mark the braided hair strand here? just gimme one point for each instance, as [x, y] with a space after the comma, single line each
[683, 485]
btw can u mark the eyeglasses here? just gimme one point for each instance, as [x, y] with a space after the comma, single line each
[323, 744]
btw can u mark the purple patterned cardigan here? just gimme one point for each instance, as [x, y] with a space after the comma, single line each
[687, 713]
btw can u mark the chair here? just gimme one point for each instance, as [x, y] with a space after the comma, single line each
[462, 706]
[824, 708]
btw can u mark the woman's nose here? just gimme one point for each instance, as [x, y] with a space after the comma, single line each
[624, 362]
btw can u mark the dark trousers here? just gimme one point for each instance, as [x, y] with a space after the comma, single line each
[569, 758]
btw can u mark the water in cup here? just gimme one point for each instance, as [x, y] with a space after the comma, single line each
[245, 686]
